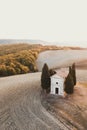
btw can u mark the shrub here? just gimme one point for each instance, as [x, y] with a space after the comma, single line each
[3, 70]
[10, 70]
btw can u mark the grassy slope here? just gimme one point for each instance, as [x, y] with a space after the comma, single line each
[20, 58]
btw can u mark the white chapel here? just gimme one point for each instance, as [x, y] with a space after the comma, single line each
[57, 83]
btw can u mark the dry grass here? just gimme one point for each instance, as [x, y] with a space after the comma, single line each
[84, 84]
[20, 58]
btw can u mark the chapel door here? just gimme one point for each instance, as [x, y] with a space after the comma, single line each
[56, 90]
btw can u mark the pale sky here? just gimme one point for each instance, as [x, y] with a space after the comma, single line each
[49, 20]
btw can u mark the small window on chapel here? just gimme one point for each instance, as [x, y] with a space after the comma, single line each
[56, 82]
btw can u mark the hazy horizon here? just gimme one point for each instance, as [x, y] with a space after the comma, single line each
[35, 41]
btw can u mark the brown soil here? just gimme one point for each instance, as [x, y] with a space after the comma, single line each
[71, 108]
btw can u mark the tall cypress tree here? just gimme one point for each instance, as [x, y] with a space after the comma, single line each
[69, 85]
[74, 73]
[45, 77]
[70, 70]
[70, 80]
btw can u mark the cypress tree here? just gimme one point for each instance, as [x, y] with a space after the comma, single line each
[70, 70]
[74, 73]
[69, 85]
[45, 77]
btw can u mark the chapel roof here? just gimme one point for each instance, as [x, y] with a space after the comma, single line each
[60, 73]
